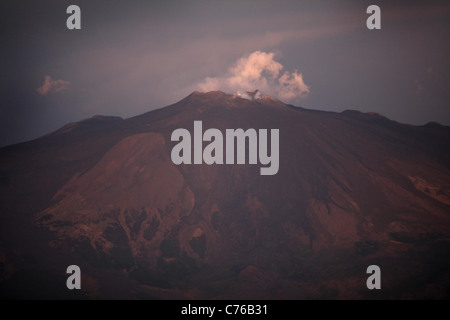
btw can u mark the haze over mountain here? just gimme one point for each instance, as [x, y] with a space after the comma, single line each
[353, 189]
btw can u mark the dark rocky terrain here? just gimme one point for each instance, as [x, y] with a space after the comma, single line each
[353, 189]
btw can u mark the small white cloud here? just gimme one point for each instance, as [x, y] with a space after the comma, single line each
[52, 86]
[259, 71]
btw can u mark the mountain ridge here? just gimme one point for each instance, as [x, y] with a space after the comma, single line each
[349, 191]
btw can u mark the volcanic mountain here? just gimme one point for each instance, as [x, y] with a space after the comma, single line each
[353, 189]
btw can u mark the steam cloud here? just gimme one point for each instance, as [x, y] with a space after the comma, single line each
[52, 86]
[259, 71]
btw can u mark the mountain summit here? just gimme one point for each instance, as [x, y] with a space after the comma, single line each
[352, 190]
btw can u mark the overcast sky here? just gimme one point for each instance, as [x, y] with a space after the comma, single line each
[134, 56]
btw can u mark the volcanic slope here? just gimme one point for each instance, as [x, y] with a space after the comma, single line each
[353, 189]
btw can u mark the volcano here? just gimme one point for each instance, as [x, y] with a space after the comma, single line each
[352, 190]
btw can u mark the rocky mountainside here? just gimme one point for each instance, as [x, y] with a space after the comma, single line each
[353, 189]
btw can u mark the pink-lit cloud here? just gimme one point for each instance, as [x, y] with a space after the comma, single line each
[52, 86]
[260, 71]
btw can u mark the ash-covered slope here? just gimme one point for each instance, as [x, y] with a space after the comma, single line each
[352, 190]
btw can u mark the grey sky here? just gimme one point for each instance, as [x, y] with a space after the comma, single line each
[134, 56]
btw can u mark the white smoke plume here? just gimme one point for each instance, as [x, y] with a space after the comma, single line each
[259, 71]
[250, 95]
